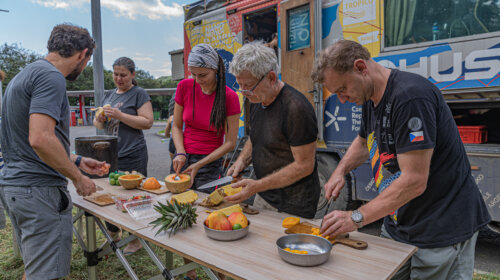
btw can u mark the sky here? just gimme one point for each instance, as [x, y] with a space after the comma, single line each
[144, 30]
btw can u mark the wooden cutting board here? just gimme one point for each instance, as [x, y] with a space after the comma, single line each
[101, 199]
[306, 228]
[161, 190]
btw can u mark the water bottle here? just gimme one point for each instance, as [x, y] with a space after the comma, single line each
[435, 31]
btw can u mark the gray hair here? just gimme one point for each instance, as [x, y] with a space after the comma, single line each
[256, 58]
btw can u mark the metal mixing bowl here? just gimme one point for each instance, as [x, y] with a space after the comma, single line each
[318, 249]
[226, 235]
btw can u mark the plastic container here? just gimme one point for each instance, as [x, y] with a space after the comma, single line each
[473, 134]
[140, 208]
[119, 201]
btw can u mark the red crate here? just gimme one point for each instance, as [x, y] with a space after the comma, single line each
[473, 134]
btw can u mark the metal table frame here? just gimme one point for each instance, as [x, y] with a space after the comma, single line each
[95, 254]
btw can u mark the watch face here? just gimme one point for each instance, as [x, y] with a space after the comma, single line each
[357, 216]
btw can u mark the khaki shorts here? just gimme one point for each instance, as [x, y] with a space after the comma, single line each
[452, 262]
[41, 217]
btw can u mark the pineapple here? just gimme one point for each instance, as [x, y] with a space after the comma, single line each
[233, 208]
[214, 199]
[229, 190]
[188, 197]
[174, 216]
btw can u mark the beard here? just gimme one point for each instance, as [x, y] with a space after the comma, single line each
[76, 71]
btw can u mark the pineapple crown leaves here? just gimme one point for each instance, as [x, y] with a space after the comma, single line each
[174, 216]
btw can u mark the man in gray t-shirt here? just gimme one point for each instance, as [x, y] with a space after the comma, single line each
[37, 161]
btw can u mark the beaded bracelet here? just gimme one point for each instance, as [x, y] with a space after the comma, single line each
[180, 154]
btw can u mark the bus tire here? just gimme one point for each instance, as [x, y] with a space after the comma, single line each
[490, 233]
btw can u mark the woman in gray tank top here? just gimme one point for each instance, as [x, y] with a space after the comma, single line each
[129, 112]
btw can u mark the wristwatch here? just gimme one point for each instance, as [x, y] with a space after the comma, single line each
[78, 161]
[357, 218]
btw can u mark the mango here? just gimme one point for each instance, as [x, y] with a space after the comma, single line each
[218, 221]
[238, 218]
[289, 222]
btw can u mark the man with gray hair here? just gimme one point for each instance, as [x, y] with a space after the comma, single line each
[35, 142]
[282, 143]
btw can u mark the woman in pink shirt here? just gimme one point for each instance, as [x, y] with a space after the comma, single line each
[209, 112]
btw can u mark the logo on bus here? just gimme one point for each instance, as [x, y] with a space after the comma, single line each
[334, 119]
[480, 66]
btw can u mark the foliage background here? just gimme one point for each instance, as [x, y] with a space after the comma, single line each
[13, 58]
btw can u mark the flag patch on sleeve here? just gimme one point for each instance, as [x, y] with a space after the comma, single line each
[416, 136]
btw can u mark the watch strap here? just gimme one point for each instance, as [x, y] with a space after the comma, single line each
[78, 161]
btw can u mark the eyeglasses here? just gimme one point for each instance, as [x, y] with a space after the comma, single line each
[247, 92]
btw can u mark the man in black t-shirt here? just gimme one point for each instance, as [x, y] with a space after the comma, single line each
[426, 191]
[282, 142]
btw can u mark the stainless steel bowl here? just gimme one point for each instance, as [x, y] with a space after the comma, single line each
[318, 249]
[226, 235]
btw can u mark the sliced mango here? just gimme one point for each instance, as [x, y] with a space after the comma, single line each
[289, 222]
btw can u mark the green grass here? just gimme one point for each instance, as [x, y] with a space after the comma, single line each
[489, 276]
[110, 268]
[12, 267]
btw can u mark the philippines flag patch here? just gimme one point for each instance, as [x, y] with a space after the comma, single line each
[416, 136]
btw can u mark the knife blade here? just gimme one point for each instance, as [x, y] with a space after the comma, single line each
[221, 181]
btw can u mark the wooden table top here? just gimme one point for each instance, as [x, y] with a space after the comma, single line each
[256, 255]
[110, 213]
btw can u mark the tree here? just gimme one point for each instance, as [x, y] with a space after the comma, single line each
[86, 80]
[167, 82]
[146, 80]
[13, 58]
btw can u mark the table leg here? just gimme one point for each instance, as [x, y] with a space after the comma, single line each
[79, 226]
[118, 251]
[15, 244]
[209, 273]
[91, 244]
[157, 261]
[169, 260]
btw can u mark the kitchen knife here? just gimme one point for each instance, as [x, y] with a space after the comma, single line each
[221, 181]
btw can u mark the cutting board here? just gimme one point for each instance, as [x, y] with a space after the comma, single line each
[101, 199]
[161, 190]
[344, 239]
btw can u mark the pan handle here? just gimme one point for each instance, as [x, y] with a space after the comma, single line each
[101, 145]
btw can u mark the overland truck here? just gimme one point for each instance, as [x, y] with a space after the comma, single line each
[453, 43]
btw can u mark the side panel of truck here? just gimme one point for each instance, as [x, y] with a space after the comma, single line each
[460, 68]
[463, 68]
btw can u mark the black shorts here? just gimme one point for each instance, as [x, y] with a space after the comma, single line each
[171, 146]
